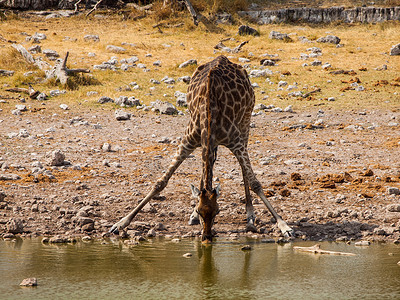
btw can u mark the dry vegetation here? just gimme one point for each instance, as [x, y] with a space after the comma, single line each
[366, 47]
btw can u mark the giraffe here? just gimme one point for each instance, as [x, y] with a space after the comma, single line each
[220, 101]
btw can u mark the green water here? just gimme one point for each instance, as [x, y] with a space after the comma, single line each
[158, 270]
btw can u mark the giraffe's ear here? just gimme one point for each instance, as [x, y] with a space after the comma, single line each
[195, 191]
[217, 189]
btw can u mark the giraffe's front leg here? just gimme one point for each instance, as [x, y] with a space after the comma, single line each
[251, 218]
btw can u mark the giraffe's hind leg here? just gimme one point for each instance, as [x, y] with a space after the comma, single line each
[242, 156]
[250, 216]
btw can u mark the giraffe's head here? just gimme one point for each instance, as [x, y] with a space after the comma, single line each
[207, 208]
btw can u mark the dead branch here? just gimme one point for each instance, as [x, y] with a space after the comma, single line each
[94, 8]
[193, 13]
[61, 72]
[312, 92]
[221, 46]
[29, 91]
[18, 90]
[168, 25]
[317, 250]
[141, 8]
[6, 41]
[76, 5]
[237, 49]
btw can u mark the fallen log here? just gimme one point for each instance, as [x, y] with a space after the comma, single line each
[61, 72]
[317, 250]
[30, 91]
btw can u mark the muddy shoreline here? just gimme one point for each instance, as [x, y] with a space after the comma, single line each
[332, 175]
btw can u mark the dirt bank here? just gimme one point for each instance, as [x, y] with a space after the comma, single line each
[332, 175]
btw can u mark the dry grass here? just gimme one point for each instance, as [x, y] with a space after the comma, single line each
[365, 46]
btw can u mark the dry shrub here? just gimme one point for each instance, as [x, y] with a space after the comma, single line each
[11, 59]
[161, 12]
[216, 6]
[22, 80]
[74, 82]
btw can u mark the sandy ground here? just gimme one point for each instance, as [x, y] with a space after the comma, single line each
[332, 175]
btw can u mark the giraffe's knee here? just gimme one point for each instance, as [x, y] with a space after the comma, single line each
[256, 186]
[160, 185]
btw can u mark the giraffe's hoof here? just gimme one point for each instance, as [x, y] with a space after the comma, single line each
[289, 234]
[250, 227]
[114, 229]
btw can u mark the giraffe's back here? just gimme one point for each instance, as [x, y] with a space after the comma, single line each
[221, 91]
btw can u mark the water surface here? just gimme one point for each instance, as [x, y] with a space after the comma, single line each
[158, 270]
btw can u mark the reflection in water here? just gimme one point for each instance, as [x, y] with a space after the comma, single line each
[208, 271]
[158, 270]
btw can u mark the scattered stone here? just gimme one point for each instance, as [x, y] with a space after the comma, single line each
[393, 191]
[329, 39]
[23, 133]
[56, 158]
[362, 243]
[180, 99]
[29, 282]
[187, 63]
[58, 239]
[64, 106]
[246, 248]
[9, 177]
[393, 207]
[41, 97]
[35, 49]
[185, 79]
[268, 62]
[247, 30]
[91, 38]
[243, 60]
[127, 102]
[51, 54]
[164, 107]
[395, 50]
[54, 93]
[316, 63]
[106, 147]
[21, 107]
[105, 99]
[326, 66]
[6, 73]
[115, 49]
[289, 109]
[15, 225]
[122, 115]
[38, 37]
[275, 35]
